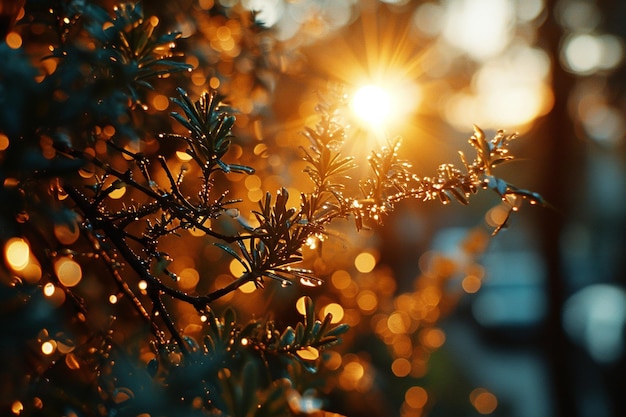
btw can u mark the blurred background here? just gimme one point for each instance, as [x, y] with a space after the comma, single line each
[446, 320]
[531, 322]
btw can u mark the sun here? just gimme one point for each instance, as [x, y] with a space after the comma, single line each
[372, 104]
[382, 65]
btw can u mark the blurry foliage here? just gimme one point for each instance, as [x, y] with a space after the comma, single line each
[90, 183]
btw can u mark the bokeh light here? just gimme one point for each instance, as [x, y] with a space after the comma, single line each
[13, 40]
[367, 301]
[341, 279]
[510, 90]
[188, 279]
[365, 262]
[236, 268]
[484, 65]
[586, 53]
[4, 142]
[336, 310]
[17, 253]
[68, 271]
[595, 318]
[308, 353]
[17, 407]
[248, 287]
[401, 367]
[481, 28]
[301, 305]
[471, 284]
[484, 401]
[48, 347]
[416, 397]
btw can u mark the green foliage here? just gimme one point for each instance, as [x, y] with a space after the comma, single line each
[210, 124]
[105, 65]
[236, 371]
[391, 179]
[132, 53]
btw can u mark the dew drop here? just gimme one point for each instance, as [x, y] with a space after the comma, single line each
[310, 282]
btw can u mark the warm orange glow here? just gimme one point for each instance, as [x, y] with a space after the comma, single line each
[68, 271]
[484, 401]
[38, 403]
[17, 253]
[206, 4]
[255, 195]
[504, 92]
[336, 310]
[383, 69]
[48, 347]
[183, 156]
[160, 102]
[109, 130]
[248, 287]
[433, 338]
[398, 322]
[416, 397]
[308, 353]
[66, 234]
[341, 279]
[13, 40]
[365, 262]
[373, 104]
[71, 361]
[354, 375]
[131, 147]
[64, 345]
[192, 328]
[311, 242]
[332, 360]
[354, 370]
[117, 193]
[431, 295]
[17, 407]
[401, 367]
[32, 272]
[194, 231]
[236, 268]
[471, 284]
[497, 215]
[252, 182]
[301, 306]
[402, 345]
[189, 278]
[4, 142]
[86, 172]
[49, 289]
[367, 300]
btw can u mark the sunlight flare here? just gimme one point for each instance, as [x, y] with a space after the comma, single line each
[372, 104]
[378, 106]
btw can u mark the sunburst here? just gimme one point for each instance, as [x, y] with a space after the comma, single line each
[381, 51]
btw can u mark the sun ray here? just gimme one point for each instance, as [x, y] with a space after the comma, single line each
[383, 48]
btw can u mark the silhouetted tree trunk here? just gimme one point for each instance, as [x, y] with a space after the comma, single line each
[560, 164]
